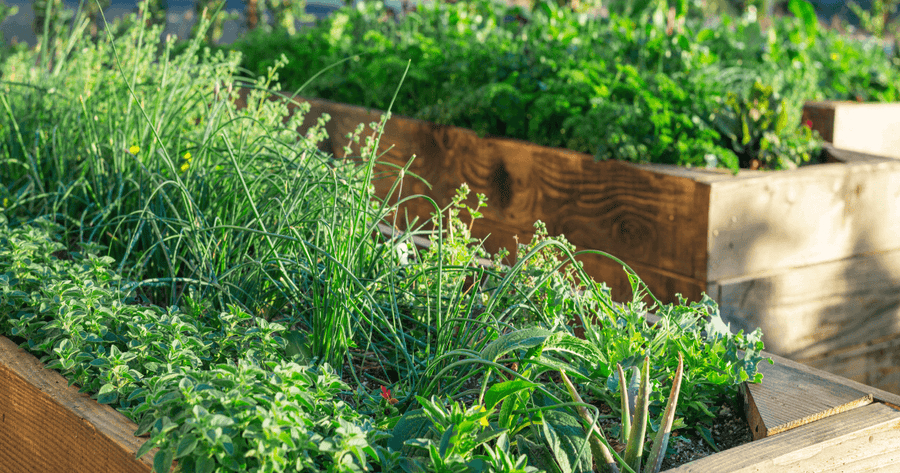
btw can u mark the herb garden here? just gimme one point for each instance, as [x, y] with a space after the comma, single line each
[177, 244]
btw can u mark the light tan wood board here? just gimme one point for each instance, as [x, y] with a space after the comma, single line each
[811, 311]
[771, 409]
[875, 363]
[47, 426]
[764, 223]
[848, 441]
[866, 127]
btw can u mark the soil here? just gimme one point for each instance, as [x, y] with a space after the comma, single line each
[729, 430]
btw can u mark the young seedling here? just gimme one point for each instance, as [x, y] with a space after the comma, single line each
[634, 429]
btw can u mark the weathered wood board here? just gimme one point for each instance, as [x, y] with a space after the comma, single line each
[770, 410]
[866, 127]
[875, 362]
[810, 255]
[47, 426]
[849, 441]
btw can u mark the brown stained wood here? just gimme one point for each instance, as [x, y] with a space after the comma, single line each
[807, 313]
[654, 221]
[821, 116]
[789, 397]
[47, 426]
[845, 442]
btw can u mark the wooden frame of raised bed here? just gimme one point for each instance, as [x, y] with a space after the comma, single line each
[872, 128]
[811, 255]
[803, 418]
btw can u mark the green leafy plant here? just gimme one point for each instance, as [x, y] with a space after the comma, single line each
[634, 426]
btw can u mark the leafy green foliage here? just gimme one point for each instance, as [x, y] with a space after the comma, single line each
[635, 86]
[207, 271]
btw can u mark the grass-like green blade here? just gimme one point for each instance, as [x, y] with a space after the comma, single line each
[598, 449]
[626, 410]
[634, 450]
[661, 441]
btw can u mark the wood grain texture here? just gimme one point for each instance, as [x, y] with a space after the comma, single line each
[649, 219]
[875, 362]
[772, 409]
[764, 223]
[847, 441]
[879, 395]
[808, 312]
[47, 426]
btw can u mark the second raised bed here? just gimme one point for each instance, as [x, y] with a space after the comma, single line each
[810, 255]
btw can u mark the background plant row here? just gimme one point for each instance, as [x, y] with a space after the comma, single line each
[636, 85]
[211, 274]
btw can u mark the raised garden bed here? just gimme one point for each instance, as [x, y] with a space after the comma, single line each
[872, 128]
[803, 417]
[809, 255]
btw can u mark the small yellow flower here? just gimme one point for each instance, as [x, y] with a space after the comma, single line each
[834, 56]
[483, 421]
[135, 149]
[187, 156]
[185, 166]
[5, 202]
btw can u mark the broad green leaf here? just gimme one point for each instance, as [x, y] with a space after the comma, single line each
[204, 464]
[445, 440]
[567, 441]
[566, 342]
[518, 340]
[538, 455]
[162, 462]
[501, 391]
[412, 425]
[185, 446]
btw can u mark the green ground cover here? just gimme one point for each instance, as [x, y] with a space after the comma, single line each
[637, 86]
[209, 273]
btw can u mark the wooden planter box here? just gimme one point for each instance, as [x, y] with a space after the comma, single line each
[812, 255]
[872, 128]
[803, 418]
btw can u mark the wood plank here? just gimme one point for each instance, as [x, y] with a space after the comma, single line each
[821, 114]
[875, 363]
[878, 395]
[808, 312]
[47, 426]
[865, 127]
[642, 216]
[789, 397]
[843, 441]
[789, 219]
